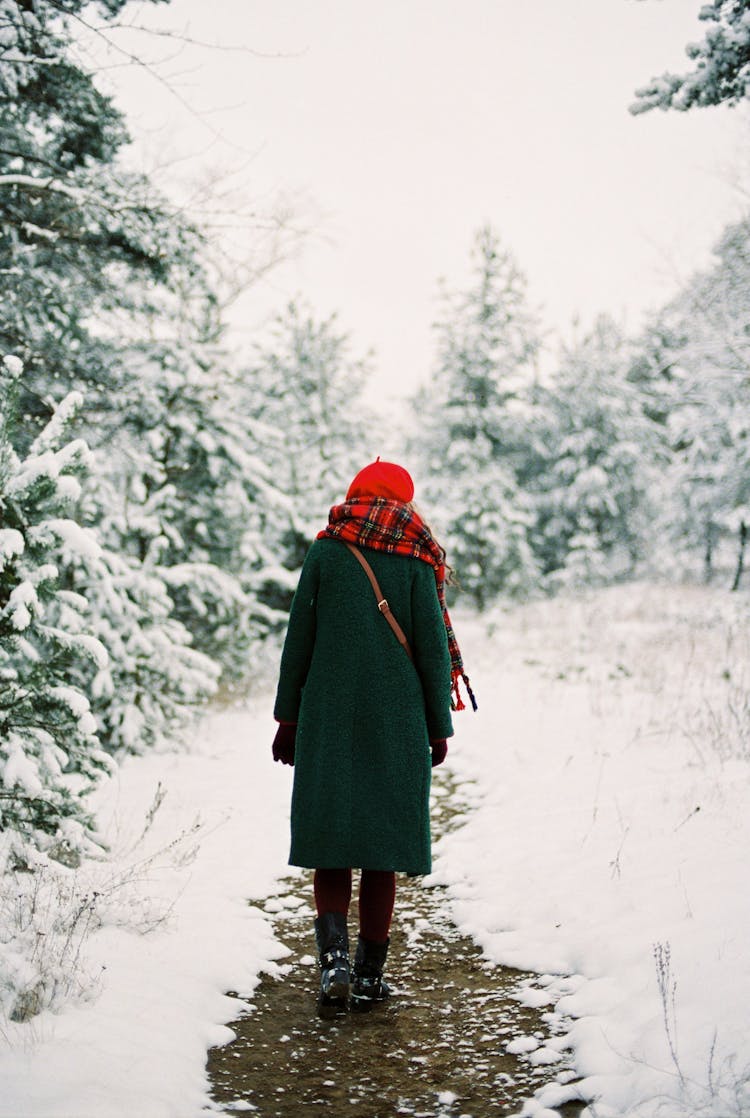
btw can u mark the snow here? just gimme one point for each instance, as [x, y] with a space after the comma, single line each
[20, 771]
[34, 468]
[22, 602]
[602, 845]
[176, 932]
[13, 365]
[75, 701]
[11, 544]
[85, 644]
[613, 788]
[78, 705]
[522, 1044]
[68, 489]
[53, 431]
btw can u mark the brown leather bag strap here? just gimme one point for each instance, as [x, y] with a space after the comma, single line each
[383, 606]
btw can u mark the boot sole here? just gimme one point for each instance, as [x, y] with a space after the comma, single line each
[364, 1005]
[329, 1008]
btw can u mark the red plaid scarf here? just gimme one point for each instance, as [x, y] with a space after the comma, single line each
[394, 527]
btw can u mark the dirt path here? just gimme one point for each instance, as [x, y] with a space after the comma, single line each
[437, 1049]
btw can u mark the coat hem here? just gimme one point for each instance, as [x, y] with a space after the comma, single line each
[408, 871]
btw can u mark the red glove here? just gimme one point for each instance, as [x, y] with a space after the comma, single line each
[283, 743]
[439, 751]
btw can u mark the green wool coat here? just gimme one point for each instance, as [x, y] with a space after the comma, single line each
[365, 713]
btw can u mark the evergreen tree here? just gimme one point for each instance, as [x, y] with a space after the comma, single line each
[91, 655]
[107, 291]
[307, 392]
[154, 680]
[83, 242]
[722, 71]
[704, 353]
[471, 425]
[184, 489]
[50, 753]
[591, 517]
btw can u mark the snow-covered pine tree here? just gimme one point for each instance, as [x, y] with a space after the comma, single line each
[303, 385]
[703, 341]
[722, 71]
[85, 244]
[470, 429]
[591, 514]
[184, 489]
[154, 679]
[108, 292]
[50, 754]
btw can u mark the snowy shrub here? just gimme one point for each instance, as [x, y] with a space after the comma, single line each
[45, 919]
[718, 724]
[725, 1089]
[50, 753]
[49, 911]
[721, 725]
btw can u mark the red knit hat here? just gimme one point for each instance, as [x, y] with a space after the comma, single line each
[382, 479]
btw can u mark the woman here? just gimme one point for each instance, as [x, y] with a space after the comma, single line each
[361, 722]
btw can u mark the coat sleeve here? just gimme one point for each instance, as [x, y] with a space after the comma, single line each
[299, 643]
[431, 656]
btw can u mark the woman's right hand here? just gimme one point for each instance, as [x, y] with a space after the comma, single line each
[283, 743]
[439, 751]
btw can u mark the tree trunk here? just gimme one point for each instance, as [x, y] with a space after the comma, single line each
[708, 554]
[740, 556]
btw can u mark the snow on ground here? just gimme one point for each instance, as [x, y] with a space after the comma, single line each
[177, 932]
[611, 763]
[609, 772]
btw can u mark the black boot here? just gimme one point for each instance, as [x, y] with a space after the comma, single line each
[368, 986]
[333, 949]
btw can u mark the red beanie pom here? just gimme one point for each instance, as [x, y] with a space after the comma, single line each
[382, 479]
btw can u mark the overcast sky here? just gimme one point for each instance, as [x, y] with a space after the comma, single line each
[400, 126]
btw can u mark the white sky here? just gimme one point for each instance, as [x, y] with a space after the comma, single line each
[400, 126]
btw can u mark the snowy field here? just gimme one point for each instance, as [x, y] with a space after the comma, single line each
[611, 834]
[608, 771]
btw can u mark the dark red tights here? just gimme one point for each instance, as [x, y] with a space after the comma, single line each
[377, 894]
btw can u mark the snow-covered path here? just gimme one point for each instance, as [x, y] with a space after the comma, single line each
[457, 1037]
[609, 822]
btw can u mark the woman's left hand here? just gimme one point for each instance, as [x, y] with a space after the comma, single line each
[283, 743]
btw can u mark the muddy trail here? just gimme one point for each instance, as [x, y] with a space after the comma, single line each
[436, 1049]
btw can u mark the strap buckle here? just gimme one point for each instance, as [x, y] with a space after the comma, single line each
[383, 606]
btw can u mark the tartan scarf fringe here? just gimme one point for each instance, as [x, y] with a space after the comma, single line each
[394, 527]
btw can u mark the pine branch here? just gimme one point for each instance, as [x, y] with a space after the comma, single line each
[32, 182]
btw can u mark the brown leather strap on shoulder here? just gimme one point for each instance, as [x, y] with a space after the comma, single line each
[383, 606]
